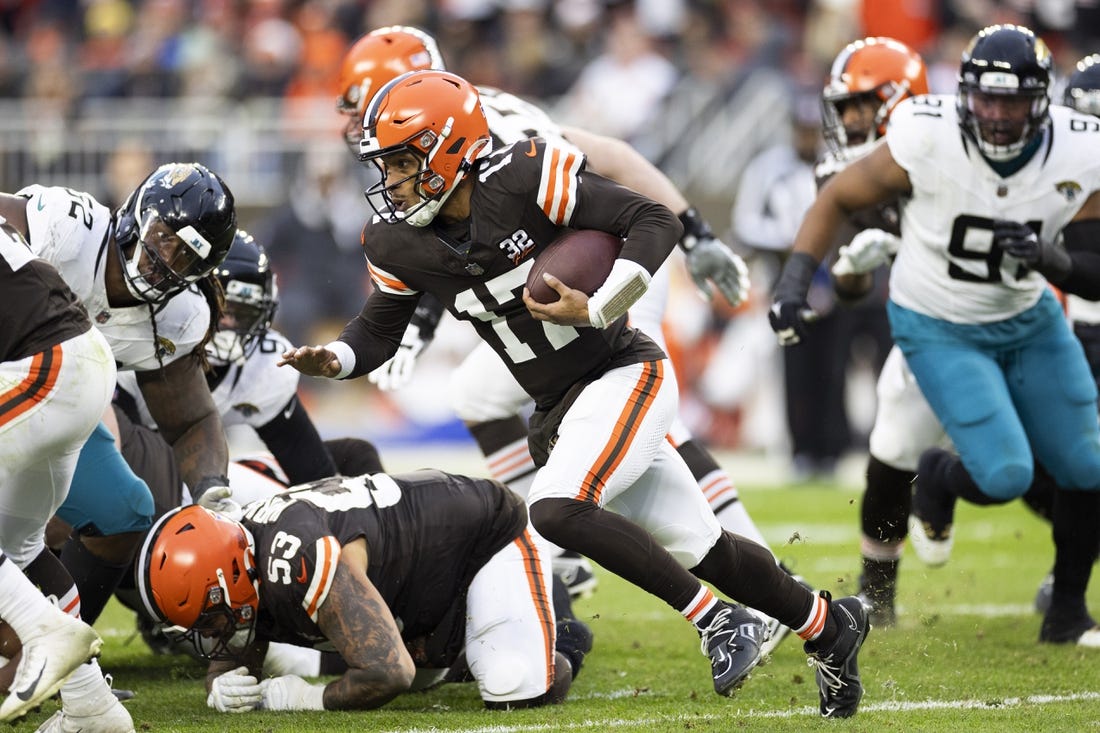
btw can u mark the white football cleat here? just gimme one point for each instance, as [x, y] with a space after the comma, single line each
[63, 644]
[106, 716]
[98, 711]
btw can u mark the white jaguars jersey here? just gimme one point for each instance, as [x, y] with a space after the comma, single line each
[69, 229]
[946, 267]
[511, 119]
[251, 393]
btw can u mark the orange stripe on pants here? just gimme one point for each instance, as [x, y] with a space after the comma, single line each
[35, 388]
[626, 427]
[543, 607]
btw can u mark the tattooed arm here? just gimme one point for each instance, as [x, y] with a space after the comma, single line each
[359, 624]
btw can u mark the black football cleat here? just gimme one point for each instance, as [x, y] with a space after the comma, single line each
[733, 640]
[1072, 625]
[1044, 594]
[837, 674]
[931, 530]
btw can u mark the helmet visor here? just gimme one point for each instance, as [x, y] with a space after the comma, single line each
[164, 261]
[220, 632]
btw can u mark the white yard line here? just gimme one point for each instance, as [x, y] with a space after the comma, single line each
[740, 714]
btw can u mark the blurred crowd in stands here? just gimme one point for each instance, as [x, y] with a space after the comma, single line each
[699, 86]
[78, 49]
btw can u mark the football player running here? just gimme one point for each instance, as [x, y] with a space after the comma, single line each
[969, 304]
[464, 222]
[483, 392]
[249, 389]
[142, 272]
[867, 80]
[56, 377]
[399, 574]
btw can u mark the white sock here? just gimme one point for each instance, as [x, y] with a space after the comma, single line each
[83, 693]
[22, 604]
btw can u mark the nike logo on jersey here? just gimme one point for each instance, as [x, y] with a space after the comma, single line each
[532, 152]
[28, 693]
[41, 202]
[302, 576]
[289, 409]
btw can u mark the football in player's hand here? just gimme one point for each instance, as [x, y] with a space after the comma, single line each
[581, 259]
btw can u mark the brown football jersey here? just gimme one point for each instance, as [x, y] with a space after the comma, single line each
[427, 533]
[525, 196]
[39, 310]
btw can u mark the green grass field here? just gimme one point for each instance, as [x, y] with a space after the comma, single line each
[963, 657]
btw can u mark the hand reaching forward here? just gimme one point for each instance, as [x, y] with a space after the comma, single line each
[313, 361]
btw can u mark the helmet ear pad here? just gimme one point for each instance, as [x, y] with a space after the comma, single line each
[433, 185]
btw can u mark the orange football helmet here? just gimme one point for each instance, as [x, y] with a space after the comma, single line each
[197, 575]
[374, 61]
[879, 69]
[437, 117]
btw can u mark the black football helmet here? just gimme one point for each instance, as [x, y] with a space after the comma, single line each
[173, 230]
[251, 297]
[1004, 90]
[1083, 88]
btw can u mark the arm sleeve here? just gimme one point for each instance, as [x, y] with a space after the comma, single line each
[427, 315]
[1082, 241]
[292, 438]
[375, 334]
[650, 229]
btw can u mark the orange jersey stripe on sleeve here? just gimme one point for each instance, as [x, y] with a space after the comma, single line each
[387, 282]
[324, 570]
[558, 184]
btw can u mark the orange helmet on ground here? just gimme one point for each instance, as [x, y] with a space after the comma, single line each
[437, 117]
[374, 61]
[196, 574]
[878, 69]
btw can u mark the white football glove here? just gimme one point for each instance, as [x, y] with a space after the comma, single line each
[234, 692]
[291, 692]
[709, 259]
[867, 250]
[213, 493]
[397, 372]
